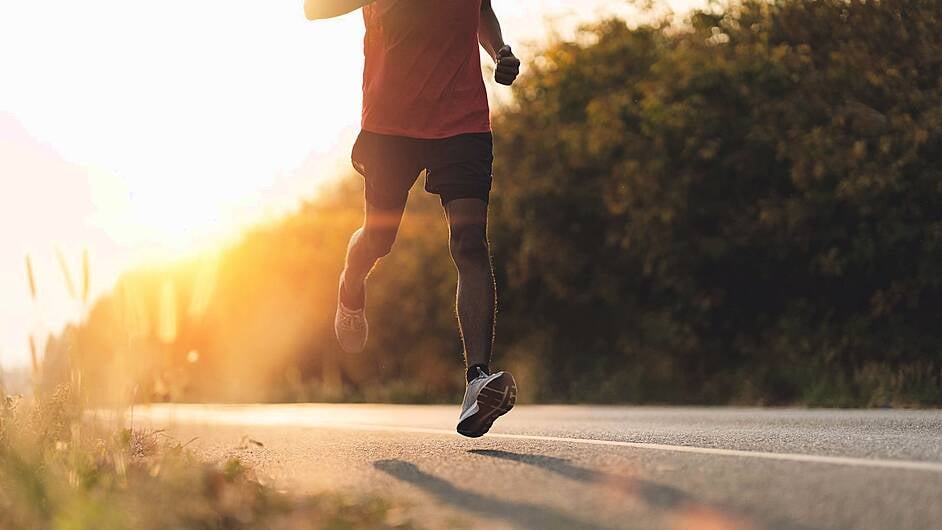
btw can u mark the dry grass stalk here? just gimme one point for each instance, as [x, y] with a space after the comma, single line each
[33, 357]
[32, 279]
[86, 277]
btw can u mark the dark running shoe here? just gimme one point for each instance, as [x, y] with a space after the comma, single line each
[486, 398]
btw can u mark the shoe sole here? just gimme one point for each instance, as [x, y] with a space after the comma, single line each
[495, 399]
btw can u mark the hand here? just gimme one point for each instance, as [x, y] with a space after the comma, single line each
[508, 66]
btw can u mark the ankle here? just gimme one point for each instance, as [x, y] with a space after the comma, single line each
[352, 294]
[474, 371]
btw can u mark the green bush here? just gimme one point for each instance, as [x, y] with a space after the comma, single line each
[747, 208]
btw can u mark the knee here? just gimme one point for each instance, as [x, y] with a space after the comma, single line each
[468, 245]
[372, 244]
[380, 245]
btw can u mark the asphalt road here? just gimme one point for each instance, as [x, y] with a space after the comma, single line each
[594, 467]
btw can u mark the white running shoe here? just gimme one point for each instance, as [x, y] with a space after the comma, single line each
[486, 398]
[350, 326]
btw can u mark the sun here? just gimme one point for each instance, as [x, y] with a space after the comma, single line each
[188, 141]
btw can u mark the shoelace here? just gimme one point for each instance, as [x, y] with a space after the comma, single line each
[351, 321]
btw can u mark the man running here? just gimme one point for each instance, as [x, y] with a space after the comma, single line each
[425, 108]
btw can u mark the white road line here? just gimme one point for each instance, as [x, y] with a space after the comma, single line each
[236, 418]
[792, 457]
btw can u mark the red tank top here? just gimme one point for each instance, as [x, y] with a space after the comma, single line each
[422, 74]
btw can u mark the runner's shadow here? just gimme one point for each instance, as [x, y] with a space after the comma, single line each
[521, 514]
[656, 495]
[668, 499]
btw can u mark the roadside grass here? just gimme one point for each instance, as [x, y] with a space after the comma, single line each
[60, 472]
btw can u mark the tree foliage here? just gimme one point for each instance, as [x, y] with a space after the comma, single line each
[744, 208]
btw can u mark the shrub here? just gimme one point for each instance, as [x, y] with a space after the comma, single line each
[745, 207]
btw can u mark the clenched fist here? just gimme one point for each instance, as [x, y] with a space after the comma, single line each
[508, 66]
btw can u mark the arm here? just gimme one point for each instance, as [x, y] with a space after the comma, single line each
[317, 9]
[491, 38]
[489, 34]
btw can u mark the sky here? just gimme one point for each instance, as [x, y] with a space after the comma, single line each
[145, 132]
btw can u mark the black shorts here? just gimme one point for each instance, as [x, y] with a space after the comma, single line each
[457, 167]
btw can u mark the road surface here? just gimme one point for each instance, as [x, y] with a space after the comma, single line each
[555, 467]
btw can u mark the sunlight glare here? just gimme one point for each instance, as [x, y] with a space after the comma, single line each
[190, 114]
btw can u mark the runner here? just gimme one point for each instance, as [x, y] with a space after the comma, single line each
[425, 108]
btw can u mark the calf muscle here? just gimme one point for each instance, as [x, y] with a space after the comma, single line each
[477, 294]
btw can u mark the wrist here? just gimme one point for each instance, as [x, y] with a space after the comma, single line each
[498, 47]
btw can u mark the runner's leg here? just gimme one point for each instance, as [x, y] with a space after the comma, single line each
[476, 297]
[368, 244]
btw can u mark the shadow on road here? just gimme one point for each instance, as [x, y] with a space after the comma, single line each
[655, 495]
[518, 513]
[686, 512]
